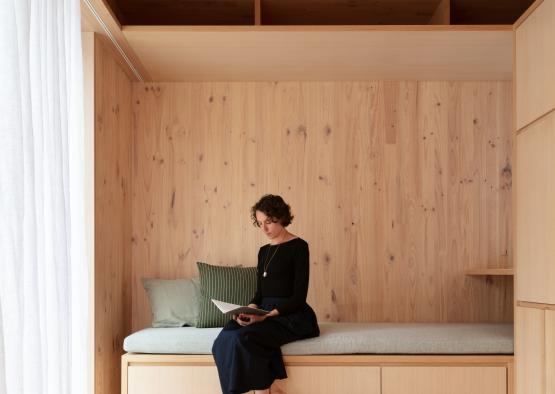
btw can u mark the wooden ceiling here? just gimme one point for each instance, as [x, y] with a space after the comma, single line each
[313, 12]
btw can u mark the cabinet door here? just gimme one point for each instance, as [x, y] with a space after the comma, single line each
[529, 350]
[550, 352]
[329, 380]
[444, 379]
[535, 212]
[535, 64]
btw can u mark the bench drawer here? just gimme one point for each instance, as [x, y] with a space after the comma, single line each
[329, 380]
[301, 380]
[444, 379]
[173, 379]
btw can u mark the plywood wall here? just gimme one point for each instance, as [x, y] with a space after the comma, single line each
[398, 187]
[112, 215]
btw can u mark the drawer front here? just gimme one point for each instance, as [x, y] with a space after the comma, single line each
[444, 380]
[301, 380]
[169, 379]
[329, 380]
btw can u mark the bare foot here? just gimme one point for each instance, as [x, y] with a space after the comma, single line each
[267, 391]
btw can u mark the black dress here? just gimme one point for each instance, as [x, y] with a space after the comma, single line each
[249, 358]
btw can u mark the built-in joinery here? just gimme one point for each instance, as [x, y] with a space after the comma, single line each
[535, 194]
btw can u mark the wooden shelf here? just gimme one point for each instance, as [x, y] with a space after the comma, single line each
[323, 53]
[490, 272]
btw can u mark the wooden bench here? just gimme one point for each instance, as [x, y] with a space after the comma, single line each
[366, 358]
[330, 374]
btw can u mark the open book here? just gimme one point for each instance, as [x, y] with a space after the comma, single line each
[234, 309]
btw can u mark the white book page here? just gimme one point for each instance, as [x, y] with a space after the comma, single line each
[226, 307]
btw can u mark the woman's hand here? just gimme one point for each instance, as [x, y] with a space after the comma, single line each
[245, 319]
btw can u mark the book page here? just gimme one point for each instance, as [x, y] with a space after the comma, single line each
[226, 307]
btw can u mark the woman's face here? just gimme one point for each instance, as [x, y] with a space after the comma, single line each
[268, 227]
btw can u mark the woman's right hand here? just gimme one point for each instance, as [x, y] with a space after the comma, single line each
[244, 323]
[241, 322]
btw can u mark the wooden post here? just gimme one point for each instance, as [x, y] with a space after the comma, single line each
[257, 13]
[442, 14]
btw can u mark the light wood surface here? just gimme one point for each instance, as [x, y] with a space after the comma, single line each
[98, 18]
[535, 61]
[490, 271]
[173, 380]
[550, 351]
[112, 167]
[263, 53]
[329, 379]
[442, 13]
[137, 359]
[334, 12]
[153, 373]
[441, 380]
[527, 13]
[535, 351]
[413, 186]
[88, 45]
[536, 305]
[193, 379]
[530, 349]
[535, 194]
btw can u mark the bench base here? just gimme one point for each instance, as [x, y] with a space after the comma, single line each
[325, 374]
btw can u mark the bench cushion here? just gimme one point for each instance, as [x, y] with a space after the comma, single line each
[346, 338]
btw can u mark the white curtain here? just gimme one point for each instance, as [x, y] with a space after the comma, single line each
[44, 271]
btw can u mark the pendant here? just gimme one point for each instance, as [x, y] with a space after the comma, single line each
[265, 274]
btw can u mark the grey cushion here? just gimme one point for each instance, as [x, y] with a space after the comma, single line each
[346, 338]
[174, 302]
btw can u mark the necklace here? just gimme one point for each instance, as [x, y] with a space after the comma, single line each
[267, 262]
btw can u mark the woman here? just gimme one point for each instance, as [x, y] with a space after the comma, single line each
[247, 351]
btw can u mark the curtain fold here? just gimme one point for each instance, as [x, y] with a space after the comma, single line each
[44, 270]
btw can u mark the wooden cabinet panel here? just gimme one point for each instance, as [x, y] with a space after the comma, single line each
[529, 350]
[550, 352]
[330, 380]
[535, 212]
[150, 379]
[442, 380]
[535, 64]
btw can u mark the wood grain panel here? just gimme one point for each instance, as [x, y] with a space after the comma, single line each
[399, 187]
[441, 380]
[530, 351]
[535, 210]
[535, 62]
[112, 215]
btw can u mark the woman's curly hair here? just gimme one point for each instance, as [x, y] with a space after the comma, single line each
[275, 208]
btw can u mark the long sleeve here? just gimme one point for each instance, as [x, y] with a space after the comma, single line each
[257, 299]
[300, 284]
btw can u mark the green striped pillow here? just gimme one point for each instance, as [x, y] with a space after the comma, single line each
[235, 285]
